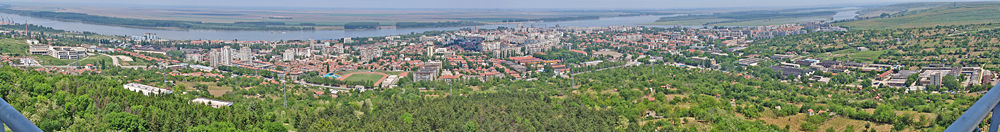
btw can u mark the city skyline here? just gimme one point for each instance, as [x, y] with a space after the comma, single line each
[512, 65]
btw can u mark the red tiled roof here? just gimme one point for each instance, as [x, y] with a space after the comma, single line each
[450, 76]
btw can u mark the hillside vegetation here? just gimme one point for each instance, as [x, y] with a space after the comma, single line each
[750, 18]
[944, 15]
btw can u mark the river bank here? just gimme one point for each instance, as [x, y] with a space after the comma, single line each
[200, 34]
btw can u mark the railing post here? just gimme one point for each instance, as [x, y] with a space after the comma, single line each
[995, 119]
[13, 119]
[973, 117]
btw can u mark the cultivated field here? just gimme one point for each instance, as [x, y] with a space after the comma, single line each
[752, 18]
[958, 14]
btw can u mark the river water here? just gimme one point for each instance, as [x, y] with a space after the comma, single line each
[327, 34]
[301, 35]
[846, 15]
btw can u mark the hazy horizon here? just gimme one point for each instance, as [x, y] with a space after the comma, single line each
[487, 4]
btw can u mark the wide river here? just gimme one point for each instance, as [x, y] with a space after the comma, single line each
[301, 35]
[326, 34]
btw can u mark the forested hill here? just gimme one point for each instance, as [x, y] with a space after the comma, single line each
[927, 15]
[476, 112]
[98, 102]
[95, 103]
[642, 98]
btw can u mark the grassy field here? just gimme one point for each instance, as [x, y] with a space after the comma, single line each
[959, 14]
[49, 60]
[841, 123]
[213, 89]
[865, 56]
[688, 22]
[897, 8]
[95, 60]
[13, 47]
[777, 21]
[751, 18]
[364, 77]
[837, 123]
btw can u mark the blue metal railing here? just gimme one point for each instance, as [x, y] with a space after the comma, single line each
[14, 120]
[970, 120]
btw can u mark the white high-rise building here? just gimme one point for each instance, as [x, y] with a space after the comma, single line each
[245, 54]
[348, 40]
[288, 55]
[369, 53]
[193, 57]
[221, 57]
[227, 55]
[215, 57]
[317, 46]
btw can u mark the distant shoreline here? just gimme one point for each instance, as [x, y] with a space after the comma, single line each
[205, 34]
[179, 25]
[237, 26]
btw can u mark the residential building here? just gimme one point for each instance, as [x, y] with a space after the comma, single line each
[245, 54]
[428, 72]
[194, 57]
[370, 53]
[288, 55]
[348, 40]
[221, 56]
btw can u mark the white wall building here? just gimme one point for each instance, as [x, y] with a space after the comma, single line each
[146, 89]
[63, 52]
[221, 56]
[245, 54]
[212, 102]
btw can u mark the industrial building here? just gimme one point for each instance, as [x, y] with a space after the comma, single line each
[212, 102]
[146, 89]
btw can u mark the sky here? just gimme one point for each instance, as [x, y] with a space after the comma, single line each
[494, 4]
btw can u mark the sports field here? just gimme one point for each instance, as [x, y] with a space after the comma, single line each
[376, 77]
